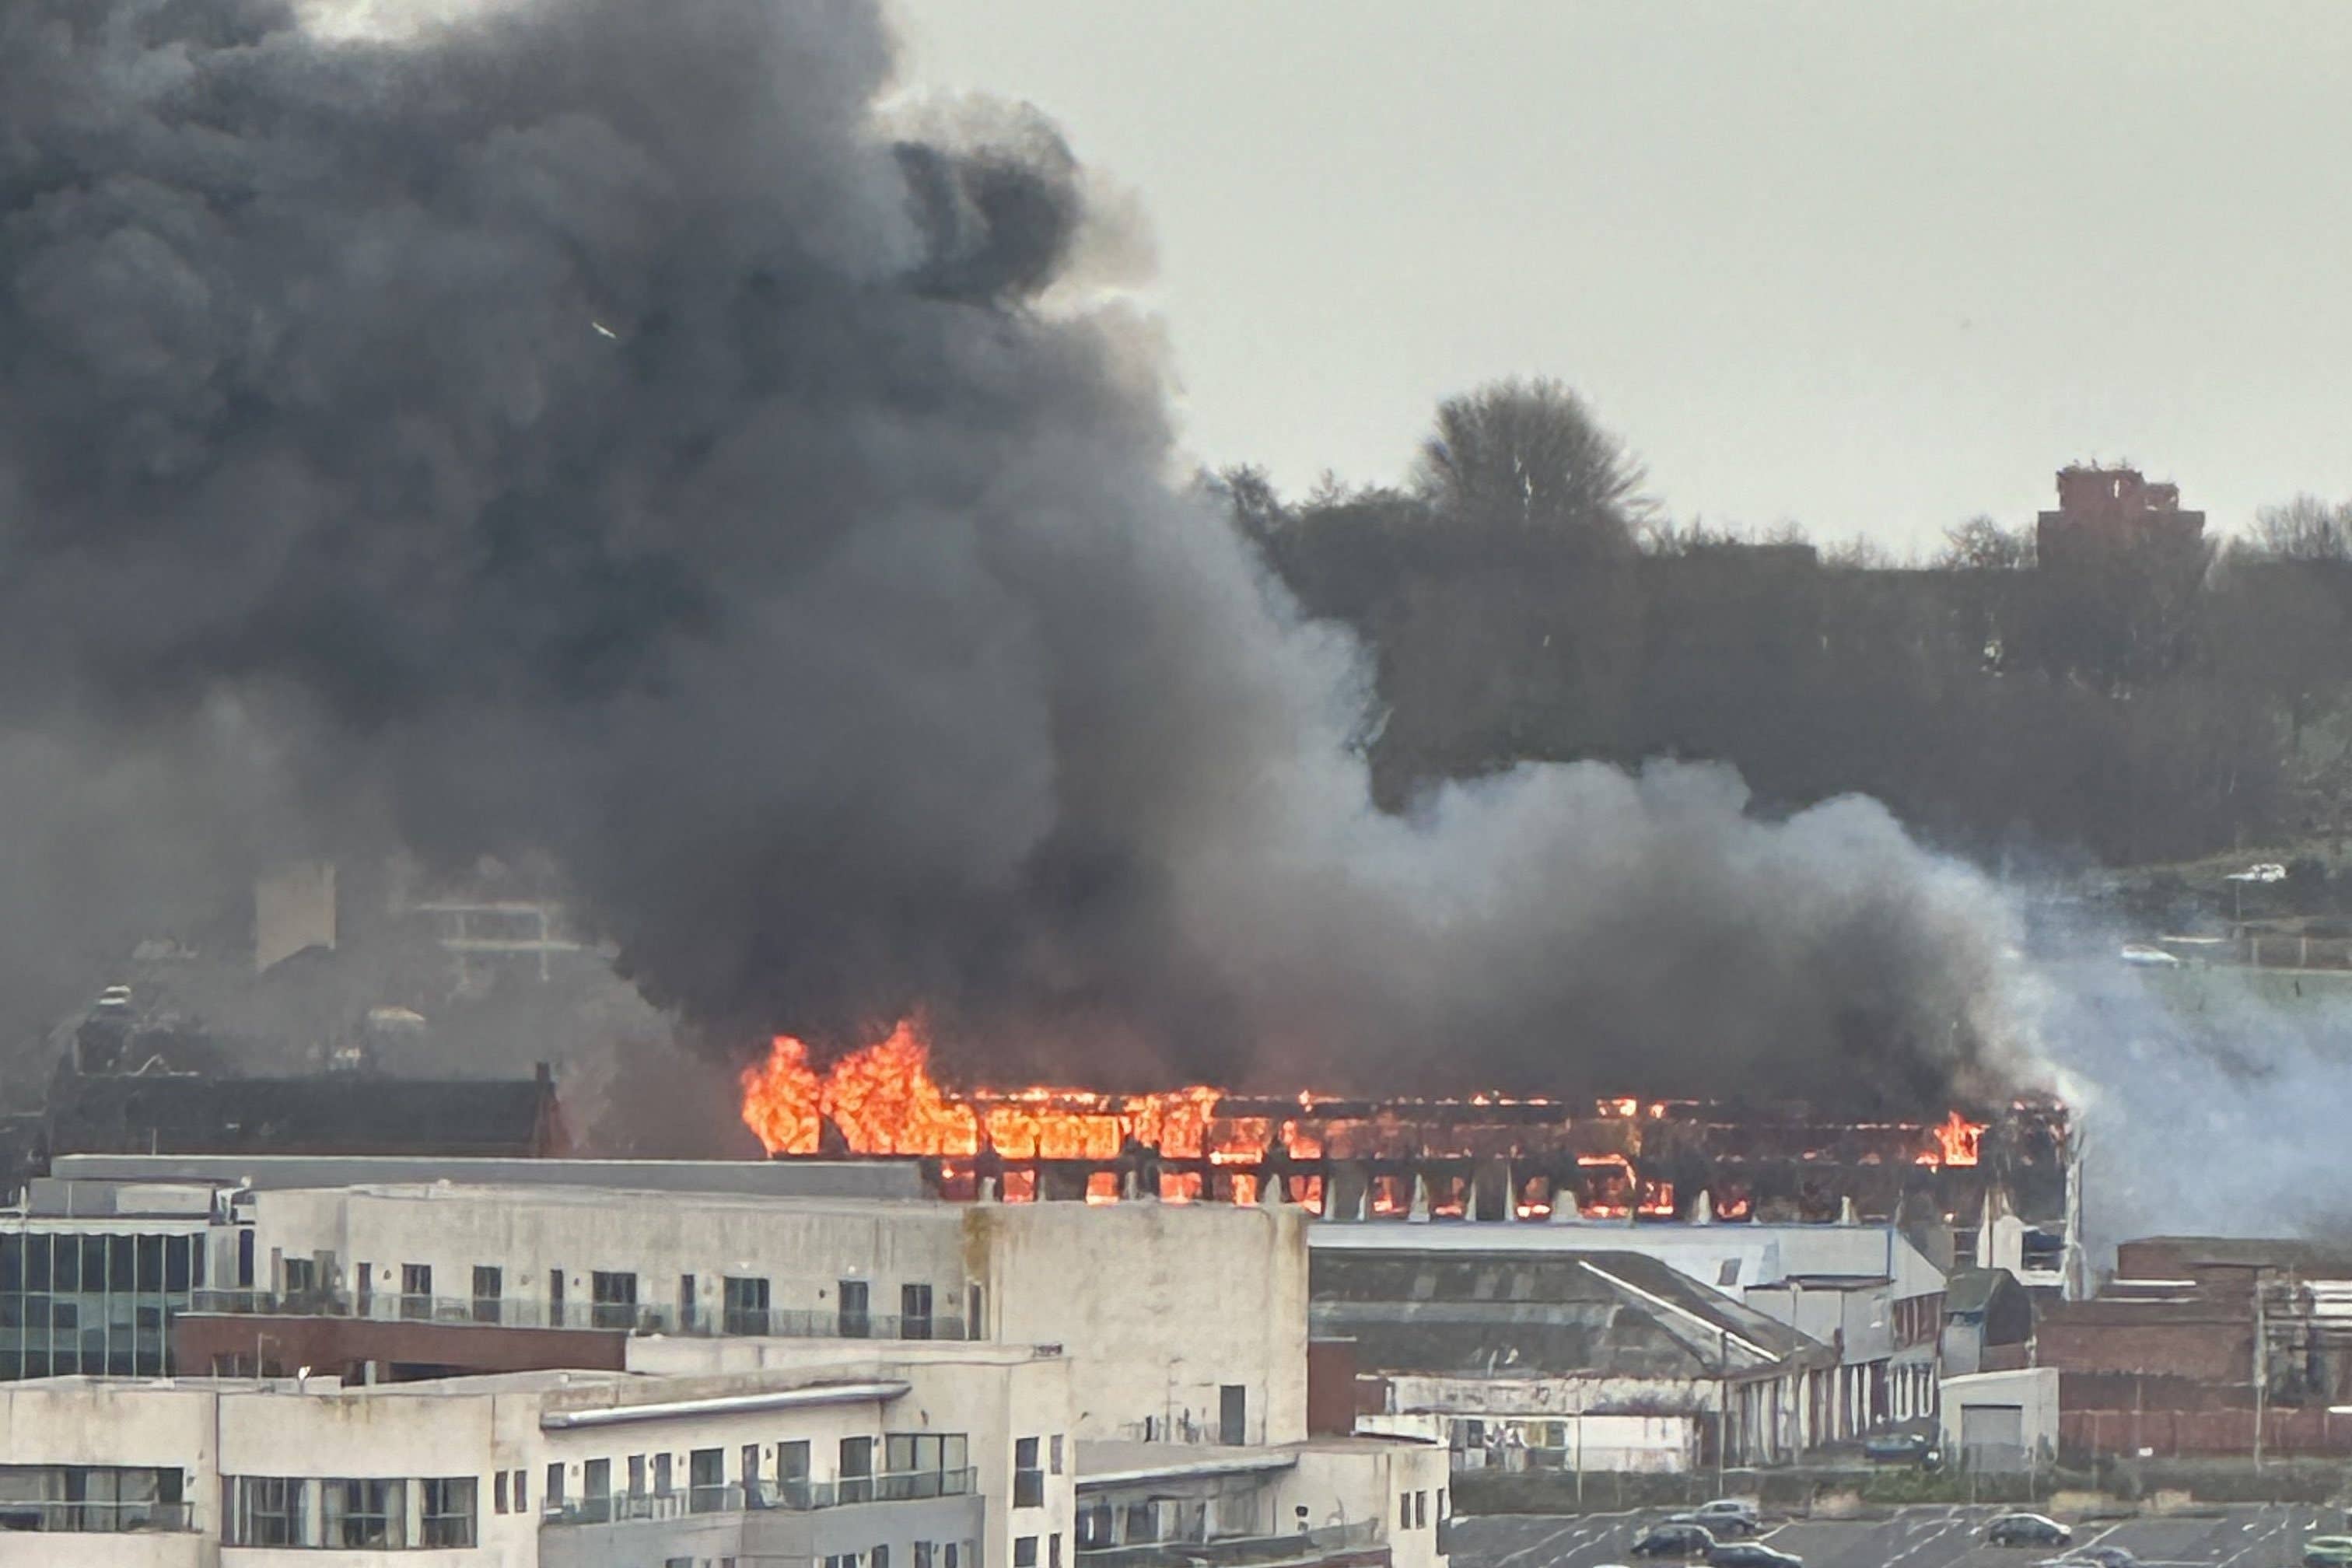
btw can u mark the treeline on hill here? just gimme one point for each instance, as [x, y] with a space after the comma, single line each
[1525, 600]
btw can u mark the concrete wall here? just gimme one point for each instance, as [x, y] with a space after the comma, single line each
[1158, 1305]
[1343, 1483]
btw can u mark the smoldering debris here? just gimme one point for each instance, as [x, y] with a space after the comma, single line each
[580, 427]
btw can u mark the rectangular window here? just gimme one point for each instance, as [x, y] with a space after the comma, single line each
[914, 1312]
[1232, 1415]
[613, 1298]
[449, 1513]
[1028, 1481]
[363, 1513]
[749, 1473]
[555, 1298]
[857, 1470]
[744, 1304]
[637, 1475]
[1054, 1461]
[490, 1292]
[972, 1313]
[1053, 1550]
[1441, 1502]
[854, 1323]
[416, 1291]
[522, 1489]
[922, 1554]
[363, 1288]
[244, 1259]
[1405, 1510]
[685, 1303]
[792, 1473]
[301, 1279]
[1420, 1511]
[597, 1488]
[266, 1511]
[661, 1475]
[706, 1480]
[554, 1486]
[1025, 1551]
[499, 1492]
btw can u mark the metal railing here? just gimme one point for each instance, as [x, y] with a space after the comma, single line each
[94, 1518]
[791, 1497]
[1235, 1549]
[515, 1312]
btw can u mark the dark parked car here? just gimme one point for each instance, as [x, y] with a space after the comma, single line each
[1752, 1554]
[2028, 1529]
[1674, 1540]
[1724, 1521]
[1901, 1448]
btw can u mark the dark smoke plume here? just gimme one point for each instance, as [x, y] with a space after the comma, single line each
[583, 429]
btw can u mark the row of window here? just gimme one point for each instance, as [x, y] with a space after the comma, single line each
[914, 1466]
[613, 1302]
[92, 1303]
[928, 1554]
[1413, 1509]
[43, 1261]
[348, 1513]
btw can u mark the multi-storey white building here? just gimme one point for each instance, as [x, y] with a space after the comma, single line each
[790, 1455]
[912, 1462]
[1185, 1322]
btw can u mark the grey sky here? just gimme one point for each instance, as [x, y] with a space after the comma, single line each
[1870, 267]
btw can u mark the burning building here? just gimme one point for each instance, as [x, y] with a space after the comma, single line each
[2000, 1188]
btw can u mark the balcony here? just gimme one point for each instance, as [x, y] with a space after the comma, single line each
[791, 1497]
[512, 1312]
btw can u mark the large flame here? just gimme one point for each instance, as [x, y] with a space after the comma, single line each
[882, 1100]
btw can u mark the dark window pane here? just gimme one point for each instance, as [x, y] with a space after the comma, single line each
[68, 1275]
[12, 1263]
[121, 1264]
[93, 1261]
[176, 1263]
[151, 1263]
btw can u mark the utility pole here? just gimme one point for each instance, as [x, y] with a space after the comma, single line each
[2262, 1369]
[1722, 1403]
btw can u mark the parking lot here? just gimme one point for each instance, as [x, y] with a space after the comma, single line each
[2266, 1536]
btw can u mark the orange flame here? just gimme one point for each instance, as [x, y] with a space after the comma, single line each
[1956, 1139]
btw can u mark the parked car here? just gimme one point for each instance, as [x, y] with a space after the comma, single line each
[1724, 1517]
[1752, 1554]
[2327, 1552]
[1674, 1540]
[2028, 1529]
[1901, 1448]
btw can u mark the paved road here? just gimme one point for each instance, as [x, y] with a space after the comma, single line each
[1936, 1537]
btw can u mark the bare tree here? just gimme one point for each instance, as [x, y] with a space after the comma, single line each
[2305, 529]
[1981, 544]
[1529, 455]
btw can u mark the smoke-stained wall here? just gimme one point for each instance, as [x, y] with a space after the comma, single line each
[582, 429]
